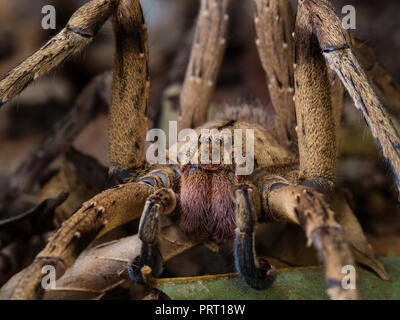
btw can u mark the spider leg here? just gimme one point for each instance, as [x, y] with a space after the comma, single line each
[162, 201]
[336, 47]
[314, 112]
[205, 60]
[131, 80]
[130, 92]
[77, 34]
[306, 207]
[102, 213]
[274, 26]
[257, 273]
[384, 85]
[337, 95]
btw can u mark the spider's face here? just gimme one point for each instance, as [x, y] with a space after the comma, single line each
[219, 147]
[209, 173]
[211, 150]
[215, 152]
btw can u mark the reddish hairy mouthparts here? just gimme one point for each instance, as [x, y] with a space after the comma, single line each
[207, 210]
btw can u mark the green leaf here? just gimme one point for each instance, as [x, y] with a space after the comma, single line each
[291, 284]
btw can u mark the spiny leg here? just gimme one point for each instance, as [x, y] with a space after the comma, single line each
[258, 274]
[302, 205]
[384, 85]
[162, 201]
[336, 46]
[104, 212]
[274, 26]
[315, 119]
[77, 34]
[205, 60]
[98, 269]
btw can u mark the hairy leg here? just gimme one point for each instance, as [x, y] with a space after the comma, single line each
[131, 83]
[258, 273]
[205, 60]
[384, 85]
[287, 202]
[336, 47]
[314, 112]
[77, 34]
[97, 216]
[100, 269]
[103, 213]
[274, 26]
[130, 91]
[161, 202]
[337, 95]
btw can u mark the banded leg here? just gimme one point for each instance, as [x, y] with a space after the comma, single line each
[258, 273]
[104, 212]
[205, 60]
[306, 207]
[336, 47]
[162, 201]
[77, 34]
[274, 26]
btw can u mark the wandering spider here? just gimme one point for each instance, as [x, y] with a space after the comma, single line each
[293, 177]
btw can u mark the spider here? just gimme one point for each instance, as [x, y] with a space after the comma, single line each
[294, 163]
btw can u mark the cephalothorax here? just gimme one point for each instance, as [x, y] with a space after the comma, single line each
[211, 202]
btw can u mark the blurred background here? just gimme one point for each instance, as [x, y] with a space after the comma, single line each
[26, 120]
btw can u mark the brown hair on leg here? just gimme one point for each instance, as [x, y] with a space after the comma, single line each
[129, 101]
[77, 34]
[205, 60]
[335, 43]
[315, 119]
[274, 26]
